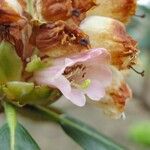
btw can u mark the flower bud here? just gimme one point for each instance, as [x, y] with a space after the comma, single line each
[21, 93]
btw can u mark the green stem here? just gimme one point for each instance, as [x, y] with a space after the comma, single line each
[12, 122]
[48, 113]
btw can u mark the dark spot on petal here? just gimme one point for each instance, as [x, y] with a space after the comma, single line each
[84, 42]
[76, 12]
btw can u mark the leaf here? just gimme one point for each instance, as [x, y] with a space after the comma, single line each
[10, 63]
[140, 133]
[13, 136]
[87, 137]
[23, 140]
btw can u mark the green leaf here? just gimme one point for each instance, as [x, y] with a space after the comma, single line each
[23, 140]
[13, 136]
[10, 63]
[140, 133]
[15, 90]
[85, 136]
[12, 122]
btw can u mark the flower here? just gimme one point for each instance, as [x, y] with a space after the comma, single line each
[117, 96]
[57, 39]
[111, 35]
[86, 73]
[121, 10]
[72, 10]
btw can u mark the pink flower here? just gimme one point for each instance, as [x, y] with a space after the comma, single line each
[86, 73]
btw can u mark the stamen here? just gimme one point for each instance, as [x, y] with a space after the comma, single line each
[140, 16]
[140, 73]
[85, 84]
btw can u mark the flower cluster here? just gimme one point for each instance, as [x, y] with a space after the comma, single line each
[75, 47]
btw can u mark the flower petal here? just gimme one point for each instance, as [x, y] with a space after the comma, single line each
[77, 97]
[61, 83]
[101, 73]
[95, 90]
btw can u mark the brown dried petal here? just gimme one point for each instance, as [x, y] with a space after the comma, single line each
[53, 10]
[10, 12]
[12, 22]
[118, 9]
[58, 39]
[117, 95]
[111, 34]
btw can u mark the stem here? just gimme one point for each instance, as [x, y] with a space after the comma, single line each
[55, 115]
[12, 122]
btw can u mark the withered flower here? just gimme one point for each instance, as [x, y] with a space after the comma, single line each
[59, 39]
[111, 34]
[117, 95]
[53, 10]
[12, 24]
[118, 9]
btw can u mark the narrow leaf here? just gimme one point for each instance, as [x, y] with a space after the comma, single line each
[13, 136]
[12, 122]
[87, 137]
[23, 140]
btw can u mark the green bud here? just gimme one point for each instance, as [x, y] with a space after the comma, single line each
[35, 64]
[41, 95]
[10, 63]
[16, 90]
[23, 93]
